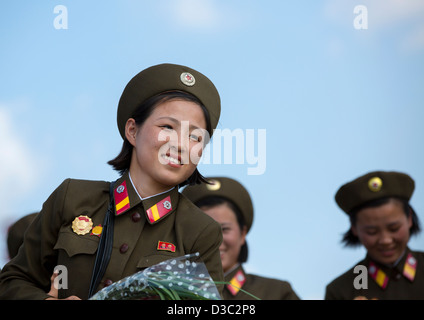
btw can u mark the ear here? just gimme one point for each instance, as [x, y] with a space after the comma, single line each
[243, 234]
[131, 129]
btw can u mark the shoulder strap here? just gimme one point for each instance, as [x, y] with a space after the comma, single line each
[104, 249]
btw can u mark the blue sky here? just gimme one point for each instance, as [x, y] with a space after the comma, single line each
[335, 103]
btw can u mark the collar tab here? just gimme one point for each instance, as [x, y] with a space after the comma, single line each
[159, 210]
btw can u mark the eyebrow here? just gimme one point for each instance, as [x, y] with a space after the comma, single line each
[191, 126]
[226, 224]
[391, 224]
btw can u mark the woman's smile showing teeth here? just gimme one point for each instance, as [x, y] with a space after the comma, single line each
[172, 161]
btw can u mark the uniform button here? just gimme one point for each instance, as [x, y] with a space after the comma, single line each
[123, 248]
[136, 217]
[395, 275]
[107, 282]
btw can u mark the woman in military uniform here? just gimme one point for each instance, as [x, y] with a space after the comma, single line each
[229, 203]
[382, 220]
[102, 232]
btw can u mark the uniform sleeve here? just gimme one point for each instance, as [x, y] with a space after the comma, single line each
[329, 293]
[339, 289]
[27, 275]
[207, 244]
[287, 292]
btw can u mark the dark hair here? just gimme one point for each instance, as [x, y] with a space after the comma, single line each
[350, 240]
[215, 201]
[121, 163]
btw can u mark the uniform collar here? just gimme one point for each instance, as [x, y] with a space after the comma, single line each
[236, 278]
[156, 207]
[405, 266]
[233, 270]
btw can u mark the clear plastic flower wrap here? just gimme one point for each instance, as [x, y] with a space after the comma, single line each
[185, 277]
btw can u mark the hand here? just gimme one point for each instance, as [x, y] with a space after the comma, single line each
[363, 298]
[53, 293]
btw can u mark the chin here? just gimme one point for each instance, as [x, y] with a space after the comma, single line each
[173, 177]
[171, 180]
[387, 259]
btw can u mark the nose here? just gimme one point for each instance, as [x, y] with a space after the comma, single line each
[385, 238]
[222, 246]
[178, 143]
[179, 146]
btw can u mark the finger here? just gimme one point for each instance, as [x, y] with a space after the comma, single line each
[53, 290]
[73, 298]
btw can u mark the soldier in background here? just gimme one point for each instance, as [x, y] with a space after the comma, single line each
[229, 203]
[382, 220]
[15, 233]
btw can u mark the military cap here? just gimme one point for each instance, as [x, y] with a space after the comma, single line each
[226, 188]
[167, 77]
[372, 186]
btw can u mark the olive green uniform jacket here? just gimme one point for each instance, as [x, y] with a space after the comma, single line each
[261, 287]
[397, 285]
[137, 243]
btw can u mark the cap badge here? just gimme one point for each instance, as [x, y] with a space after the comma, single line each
[82, 225]
[188, 79]
[375, 184]
[216, 185]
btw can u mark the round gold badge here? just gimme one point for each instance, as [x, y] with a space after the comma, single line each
[375, 184]
[82, 225]
[216, 185]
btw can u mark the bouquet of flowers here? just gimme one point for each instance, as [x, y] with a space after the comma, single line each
[185, 277]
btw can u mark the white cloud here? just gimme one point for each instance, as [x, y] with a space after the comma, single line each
[384, 17]
[194, 13]
[381, 13]
[204, 15]
[18, 168]
[387, 13]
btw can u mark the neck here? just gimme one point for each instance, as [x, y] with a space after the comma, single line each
[231, 269]
[144, 188]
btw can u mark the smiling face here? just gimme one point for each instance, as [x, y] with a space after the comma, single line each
[163, 145]
[383, 231]
[233, 236]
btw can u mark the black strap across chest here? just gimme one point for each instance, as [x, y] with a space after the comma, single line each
[104, 249]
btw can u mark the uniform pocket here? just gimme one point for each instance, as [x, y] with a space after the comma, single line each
[153, 259]
[74, 244]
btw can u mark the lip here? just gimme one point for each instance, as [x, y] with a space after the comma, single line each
[172, 161]
[175, 156]
[387, 252]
